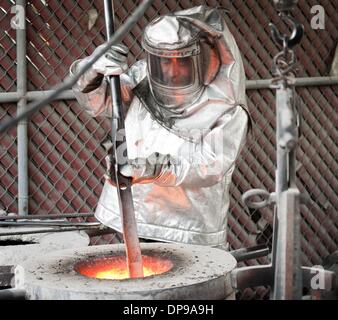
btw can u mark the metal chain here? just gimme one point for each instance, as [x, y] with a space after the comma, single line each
[284, 63]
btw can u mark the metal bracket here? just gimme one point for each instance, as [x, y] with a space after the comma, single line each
[284, 275]
[268, 198]
[249, 277]
[250, 253]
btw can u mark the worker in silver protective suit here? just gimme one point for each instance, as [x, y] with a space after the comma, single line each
[186, 122]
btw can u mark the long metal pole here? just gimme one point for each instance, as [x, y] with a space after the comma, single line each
[21, 106]
[49, 230]
[123, 184]
[48, 216]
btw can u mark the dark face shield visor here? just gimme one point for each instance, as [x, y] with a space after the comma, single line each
[173, 72]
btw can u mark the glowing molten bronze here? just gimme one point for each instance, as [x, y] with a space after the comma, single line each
[115, 268]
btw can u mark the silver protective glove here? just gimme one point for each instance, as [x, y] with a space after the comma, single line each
[113, 62]
[147, 170]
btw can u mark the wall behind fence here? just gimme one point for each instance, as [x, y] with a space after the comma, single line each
[66, 153]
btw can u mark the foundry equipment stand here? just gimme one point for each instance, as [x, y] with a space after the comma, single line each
[284, 274]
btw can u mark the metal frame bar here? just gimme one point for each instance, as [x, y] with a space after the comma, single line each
[22, 136]
[298, 82]
[8, 97]
[47, 216]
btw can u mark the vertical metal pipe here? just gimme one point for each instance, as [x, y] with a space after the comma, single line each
[126, 205]
[281, 153]
[287, 262]
[21, 105]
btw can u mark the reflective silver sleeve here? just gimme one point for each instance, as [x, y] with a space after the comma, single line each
[206, 163]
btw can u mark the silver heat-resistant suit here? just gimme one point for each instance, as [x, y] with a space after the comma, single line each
[186, 122]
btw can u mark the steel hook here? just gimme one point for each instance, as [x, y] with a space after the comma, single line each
[284, 40]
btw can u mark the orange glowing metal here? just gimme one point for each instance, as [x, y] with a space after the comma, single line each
[115, 268]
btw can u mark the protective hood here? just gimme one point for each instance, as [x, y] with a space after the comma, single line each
[174, 62]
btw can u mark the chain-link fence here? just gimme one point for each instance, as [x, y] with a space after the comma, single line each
[65, 145]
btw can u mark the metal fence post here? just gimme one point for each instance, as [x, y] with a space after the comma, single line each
[22, 126]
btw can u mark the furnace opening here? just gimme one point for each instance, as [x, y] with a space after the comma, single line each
[115, 268]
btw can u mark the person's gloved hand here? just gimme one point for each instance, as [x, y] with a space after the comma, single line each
[146, 170]
[113, 62]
